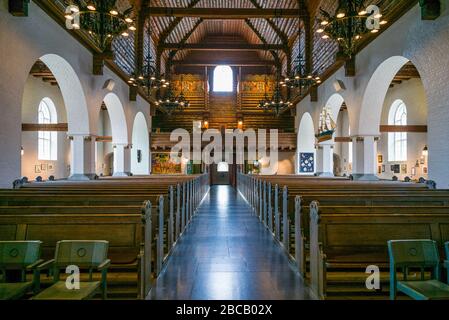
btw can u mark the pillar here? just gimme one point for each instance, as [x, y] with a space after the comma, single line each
[325, 159]
[82, 153]
[122, 159]
[364, 158]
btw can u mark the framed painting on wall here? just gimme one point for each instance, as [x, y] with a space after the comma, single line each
[306, 162]
[380, 158]
[162, 164]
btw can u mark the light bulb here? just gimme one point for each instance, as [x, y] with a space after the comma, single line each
[114, 12]
[341, 15]
[91, 6]
[132, 28]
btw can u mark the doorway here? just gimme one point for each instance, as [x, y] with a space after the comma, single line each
[220, 174]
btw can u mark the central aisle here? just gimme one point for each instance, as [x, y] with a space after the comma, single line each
[227, 254]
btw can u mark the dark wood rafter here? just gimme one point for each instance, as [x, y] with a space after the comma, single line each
[221, 46]
[223, 13]
[276, 58]
[139, 38]
[166, 33]
[281, 35]
[183, 41]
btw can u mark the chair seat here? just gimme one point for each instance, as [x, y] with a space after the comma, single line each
[425, 290]
[11, 291]
[59, 291]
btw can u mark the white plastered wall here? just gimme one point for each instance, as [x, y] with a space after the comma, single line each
[23, 40]
[425, 44]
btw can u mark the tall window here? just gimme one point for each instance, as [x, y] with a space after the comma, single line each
[397, 141]
[47, 140]
[223, 79]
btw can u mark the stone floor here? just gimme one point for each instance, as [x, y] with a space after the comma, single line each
[227, 254]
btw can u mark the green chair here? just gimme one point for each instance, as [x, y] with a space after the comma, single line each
[446, 262]
[20, 257]
[422, 254]
[84, 254]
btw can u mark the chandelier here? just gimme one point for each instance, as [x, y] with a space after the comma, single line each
[148, 77]
[299, 77]
[351, 22]
[171, 103]
[276, 103]
[101, 19]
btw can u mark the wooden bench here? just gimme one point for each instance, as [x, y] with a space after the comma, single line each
[139, 237]
[359, 240]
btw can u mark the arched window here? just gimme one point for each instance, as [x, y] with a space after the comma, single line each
[397, 141]
[223, 79]
[223, 167]
[47, 140]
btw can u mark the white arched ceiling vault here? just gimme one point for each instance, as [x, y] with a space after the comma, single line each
[140, 141]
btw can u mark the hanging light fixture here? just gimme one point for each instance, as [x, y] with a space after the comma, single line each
[299, 77]
[148, 78]
[171, 102]
[276, 103]
[101, 19]
[349, 24]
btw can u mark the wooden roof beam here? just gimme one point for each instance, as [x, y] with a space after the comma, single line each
[222, 13]
[221, 47]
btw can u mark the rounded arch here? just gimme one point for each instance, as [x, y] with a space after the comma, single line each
[72, 93]
[375, 93]
[140, 157]
[306, 144]
[334, 103]
[116, 113]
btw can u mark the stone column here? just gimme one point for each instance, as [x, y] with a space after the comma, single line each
[364, 158]
[122, 155]
[82, 162]
[325, 159]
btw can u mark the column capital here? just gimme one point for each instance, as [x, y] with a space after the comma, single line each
[85, 136]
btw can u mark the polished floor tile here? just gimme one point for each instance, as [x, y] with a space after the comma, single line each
[227, 254]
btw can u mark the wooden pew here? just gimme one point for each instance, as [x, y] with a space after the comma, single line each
[114, 214]
[357, 240]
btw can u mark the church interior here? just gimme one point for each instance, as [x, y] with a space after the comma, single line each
[348, 100]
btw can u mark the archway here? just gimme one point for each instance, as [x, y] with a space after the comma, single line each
[113, 120]
[53, 82]
[306, 146]
[327, 150]
[395, 80]
[140, 156]
[376, 90]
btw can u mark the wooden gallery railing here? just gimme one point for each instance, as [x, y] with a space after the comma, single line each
[164, 224]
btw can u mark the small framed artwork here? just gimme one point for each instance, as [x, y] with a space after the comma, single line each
[50, 167]
[43, 167]
[424, 170]
[397, 168]
[379, 169]
[383, 168]
[414, 171]
[403, 168]
[37, 168]
[139, 156]
[380, 159]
